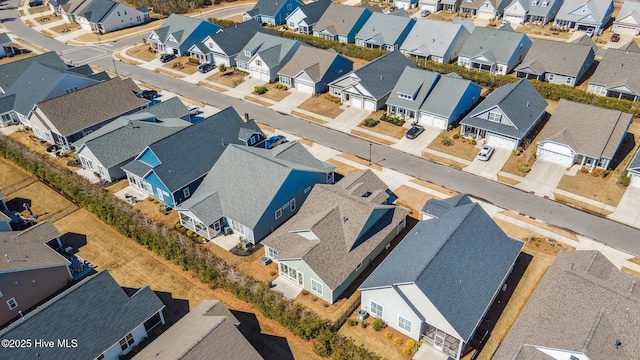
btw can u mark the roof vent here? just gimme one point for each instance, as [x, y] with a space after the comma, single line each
[527, 104]
[344, 219]
[8, 258]
[380, 76]
[618, 343]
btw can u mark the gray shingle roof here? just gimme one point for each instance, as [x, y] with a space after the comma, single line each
[248, 175]
[339, 19]
[314, 10]
[582, 305]
[619, 67]
[538, 9]
[434, 37]
[92, 105]
[81, 313]
[267, 7]
[172, 108]
[271, 48]
[557, 57]
[384, 29]
[207, 330]
[313, 61]
[475, 4]
[25, 250]
[437, 208]
[598, 10]
[496, 44]
[629, 8]
[340, 245]
[4, 39]
[233, 38]
[181, 27]
[520, 102]
[207, 138]
[376, 77]
[633, 165]
[412, 82]
[587, 129]
[95, 10]
[11, 71]
[458, 260]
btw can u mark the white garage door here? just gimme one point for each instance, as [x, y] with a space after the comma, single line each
[304, 88]
[555, 157]
[430, 7]
[369, 105]
[255, 74]
[264, 77]
[432, 121]
[484, 15]
[501, 141]
[625, 30]
[356, 102]
[635, 180]
[514, 19]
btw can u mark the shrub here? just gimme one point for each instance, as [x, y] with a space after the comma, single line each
[446, 140]
[179, 226]
[150, 198]
[305, 292]
[222, 68]
[410, 343]
[273, 273]
[314, 299]
[456, 136]
[194, 61]
[260, 89]
[625, 179]
[406, 351]
[515, 152]
[473, 142]
[388, 335]
[190, 232]
[351, 50]
[352, 322]
[280, 86]
[363, 324]
[377, 324]
[370, 122]
[332, 98]
[397, 341]
[222, 22]
[524, 168]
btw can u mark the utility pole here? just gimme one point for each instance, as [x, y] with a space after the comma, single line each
[114, 67]
[370, 145]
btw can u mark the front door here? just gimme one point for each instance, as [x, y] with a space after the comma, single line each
[216, 226]
[438, 341]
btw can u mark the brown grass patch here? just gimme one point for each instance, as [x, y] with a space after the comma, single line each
[45, 203]
[372, 138]
[386, 128]
[332, 312]
[275, 94]
[257, 101]
[167, 72]
[435, 187]
[508, 180]
[360, 161]
[8, 59]
[265, 127]
[566, 233]
[47, 19]
[376, 341]
[545, 30]
[581, 205]
[307, 117]
[65, 28]
[142, 52]
[443, 160]
[230, 78]
[11, 174]
[321, 106]
[305, 142]
[357, 62]
[48, 33]
[342, 168]
[635, 260]
[462, 148]
[626, 270]
[605, 190]
[413, 199]
[37, 9]
[211, 86]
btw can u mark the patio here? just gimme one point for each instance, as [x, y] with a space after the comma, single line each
[286, 287]
[226, 242]
[131, 195]
[426, 352]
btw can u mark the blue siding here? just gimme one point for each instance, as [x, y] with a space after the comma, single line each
[149, 158]
[351, 36]
[204, 29]
[470, 97]
[156, 184]
[333, 73]
[179, 195]
[281, 16]
[293, 187]
[405, 33]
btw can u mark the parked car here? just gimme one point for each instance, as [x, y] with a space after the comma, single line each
[206, 67]
[35, 3]
[425, 13]
[148, 94]
[615, 38]
[415, 131]
[393, 8]
[165, 58]
[194, 110]
[274, 141]
[485, 153]
[504, 23]
[589, 32]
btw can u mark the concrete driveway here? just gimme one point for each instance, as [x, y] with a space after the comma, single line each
[628, 209]
[543, 178]
[489, 169]
[417, 145]
[292, 101]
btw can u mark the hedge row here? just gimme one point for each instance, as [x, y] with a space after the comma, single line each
[351, 50]
[168, 243]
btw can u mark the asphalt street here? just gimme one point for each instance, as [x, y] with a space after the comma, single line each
[609, 232]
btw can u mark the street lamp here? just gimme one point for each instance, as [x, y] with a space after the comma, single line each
[370, 145]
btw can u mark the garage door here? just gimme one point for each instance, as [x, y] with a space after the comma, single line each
[625, 30]
[501, 141]
[304, 88]
[369, 105]
[635, 180]
[485, 15]
[555, 157]
[356, 102]
[255, 74]
[514, 19]
[265, 77]
[430, 7]
[432, 121]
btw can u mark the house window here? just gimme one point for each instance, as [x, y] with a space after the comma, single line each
[402, 224]
[293, 204]
[545, 3]
[404, 324]
[285, 80]
[126, 341]
[551, 76]
[101, 170]
[292, 24]
[307, 189]
[376, 310]
[278, 213]
[358, 266]
[494, 116]
[258, 63]
[569, 80]
[237, 227]
[186, 192]
[138, 18]
[316, 286]
[12, 303]
[272, 253]
[405, 96]
[0, 293]
[289, 7]
[534, 3]
[70, 90]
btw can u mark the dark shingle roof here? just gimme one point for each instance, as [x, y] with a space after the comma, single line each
[181, 27]
[96, 312]
[206, 331]
[633, 165]
[314, 10]
[584, 304]
[461, 252]
[4, 39]
[268, 7]
[520, 102]
[10, 72]
[95, 10]
[271, 48]
[92, 105]
[25, 250]
[233, 38]
[172, 108]
[619, 67]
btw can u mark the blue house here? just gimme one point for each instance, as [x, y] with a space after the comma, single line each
[171, 169]
[179, 33]
[272, 12]
[252, 191]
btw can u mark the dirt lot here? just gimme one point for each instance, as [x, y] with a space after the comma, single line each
[10, 175]
[321, 106]
[593, 187]
[230, 78]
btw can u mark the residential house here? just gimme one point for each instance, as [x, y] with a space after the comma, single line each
[634, 169]
[628, 20]
[179, 33]
[423, 287]
[603, 321]
[271, 12]
[436, 40]
[616, 74]
[209, 330]
[339, 230]
[405, 4]
[369, 86]
[483, 9]
[584, 15]
[384, 31]
[583, 134]
[103, 16]
[63, 6]
[6, 46]
[10, 72]
[310, 69]
[434, 209]
[164, 169]
[67, 118]
[341, 22]
[507, 116]
[31, 271]
[107, 149]
[440, 5]
[418, 96]
[223, 46]
[265, 54]
[251, 191]
[94, 319]
[305, 17]
[497, 51]
[558, 62]
[535, 11]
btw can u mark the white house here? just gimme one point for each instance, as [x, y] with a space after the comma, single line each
[628, 20]
[634, 169]
[103, 16]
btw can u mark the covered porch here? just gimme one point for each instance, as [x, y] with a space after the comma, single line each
[482, 66]
[443, 346]
[593, 163]
[622, 95]
[207, 231]
[408, 114]
[473, 132]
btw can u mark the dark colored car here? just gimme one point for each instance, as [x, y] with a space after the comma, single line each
[615, 38]
[414, 132]
[35, 3]
[206, 67]
[148, 94]
[393, 8]
[165, 58]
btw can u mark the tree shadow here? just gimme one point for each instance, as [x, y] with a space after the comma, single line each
[268, 346]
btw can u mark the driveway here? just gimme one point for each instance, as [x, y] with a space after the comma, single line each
[489, 169]
[292, 101]
[627, 209]
[417, 145]
[543, 178]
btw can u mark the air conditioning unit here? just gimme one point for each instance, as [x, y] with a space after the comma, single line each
[228, 231]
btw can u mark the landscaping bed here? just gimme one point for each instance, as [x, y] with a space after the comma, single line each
[65, 28]
[275, 91]
[383, 127]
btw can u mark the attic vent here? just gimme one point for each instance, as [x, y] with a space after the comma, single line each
[344, 219]
[527, 104]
